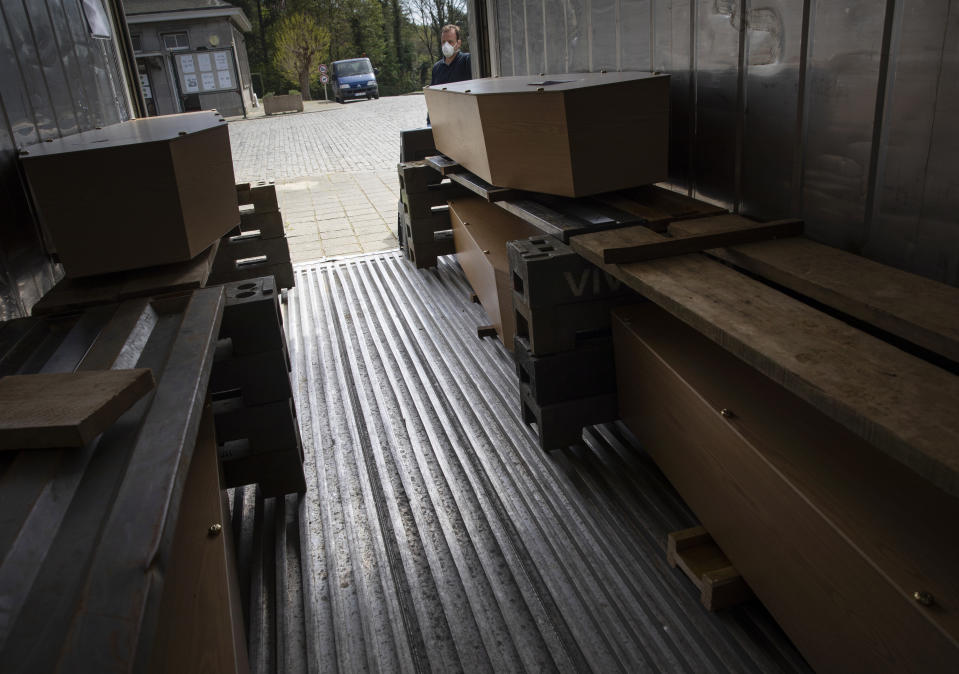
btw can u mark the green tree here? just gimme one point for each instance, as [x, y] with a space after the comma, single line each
[298, 46]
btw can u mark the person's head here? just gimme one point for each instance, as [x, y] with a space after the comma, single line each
[450, 35]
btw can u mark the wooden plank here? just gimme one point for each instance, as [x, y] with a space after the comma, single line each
[695, 243]
[74, 294]
[659, 204]
[444, 165]
[901, 404]
[66, 409]
[832, 535]
[917, 309]
[479, 186]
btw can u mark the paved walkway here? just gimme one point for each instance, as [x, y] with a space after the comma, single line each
[335, 171]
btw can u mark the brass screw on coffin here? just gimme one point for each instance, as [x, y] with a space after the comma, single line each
[485, 252]
[923, 598]
[726, 412]
[214, 529]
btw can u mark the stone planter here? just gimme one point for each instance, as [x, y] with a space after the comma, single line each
[284, 103]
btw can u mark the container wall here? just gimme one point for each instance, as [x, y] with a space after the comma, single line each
[56, 80]
[840, 113]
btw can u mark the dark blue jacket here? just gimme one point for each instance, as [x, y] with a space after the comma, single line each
[457, 71]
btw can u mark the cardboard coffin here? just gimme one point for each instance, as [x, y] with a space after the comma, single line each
[480, 233]
[137, 194]
[843, 544]
[572, 135]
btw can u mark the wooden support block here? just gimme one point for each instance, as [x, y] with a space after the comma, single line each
[66, 409]
[485, 331]
[695, 552]
[698, 243]
[444, 165]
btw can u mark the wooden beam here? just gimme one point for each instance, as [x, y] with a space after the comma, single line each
[698, 242]
[67, 409]
[657, 204]
[903, 405]
[917, 309]
[479, 186]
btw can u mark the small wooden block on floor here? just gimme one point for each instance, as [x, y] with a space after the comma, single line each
[67, 409]
[695, 552]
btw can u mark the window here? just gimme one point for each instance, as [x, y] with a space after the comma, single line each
[97, 20]
[137, 44]
[174, 41]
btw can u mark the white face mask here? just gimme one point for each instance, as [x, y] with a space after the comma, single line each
[448, 49]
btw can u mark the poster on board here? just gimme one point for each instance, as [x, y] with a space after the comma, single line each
[206, 71]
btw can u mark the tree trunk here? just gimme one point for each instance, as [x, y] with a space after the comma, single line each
[397, 37]
[305, 84]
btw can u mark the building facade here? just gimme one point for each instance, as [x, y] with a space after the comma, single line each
[191, 55]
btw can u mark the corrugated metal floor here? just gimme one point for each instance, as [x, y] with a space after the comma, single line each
[435, 535]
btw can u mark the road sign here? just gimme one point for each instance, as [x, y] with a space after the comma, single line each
[322, 68]
[324, 79]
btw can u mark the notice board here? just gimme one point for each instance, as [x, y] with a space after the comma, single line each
[206, 71]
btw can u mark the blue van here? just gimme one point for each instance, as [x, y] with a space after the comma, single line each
[354, 78]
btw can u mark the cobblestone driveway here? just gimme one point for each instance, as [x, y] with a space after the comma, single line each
[335, 171]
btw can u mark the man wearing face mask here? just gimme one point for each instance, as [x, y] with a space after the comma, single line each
[455, 65]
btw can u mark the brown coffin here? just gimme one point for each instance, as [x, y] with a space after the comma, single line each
[141, 193]
[834, 537]
[481, 231]
[571, 135]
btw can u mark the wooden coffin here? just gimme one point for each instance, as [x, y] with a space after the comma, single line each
[481, 231]
[853, 553]
[142, 193]
[570, 135]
